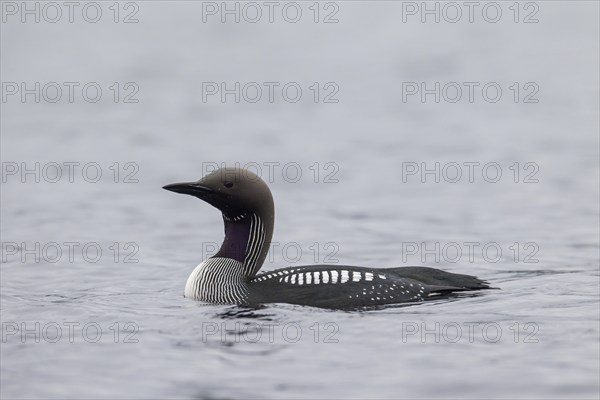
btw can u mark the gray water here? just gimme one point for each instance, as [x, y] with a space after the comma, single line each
[116, 325]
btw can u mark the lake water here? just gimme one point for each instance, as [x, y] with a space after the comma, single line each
[467, 145]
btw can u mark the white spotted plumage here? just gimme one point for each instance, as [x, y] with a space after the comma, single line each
[345, 276]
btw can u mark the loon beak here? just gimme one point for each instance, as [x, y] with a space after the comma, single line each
[191, 188]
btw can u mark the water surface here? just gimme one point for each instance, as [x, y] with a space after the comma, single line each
[537, 337]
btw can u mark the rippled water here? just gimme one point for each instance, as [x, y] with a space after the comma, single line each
[125, 329]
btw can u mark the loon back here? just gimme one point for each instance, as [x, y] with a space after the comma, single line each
[248, 215]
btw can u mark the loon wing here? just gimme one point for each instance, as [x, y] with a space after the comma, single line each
[354, 287]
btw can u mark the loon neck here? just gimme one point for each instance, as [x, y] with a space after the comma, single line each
[247, 239]
[237, 235]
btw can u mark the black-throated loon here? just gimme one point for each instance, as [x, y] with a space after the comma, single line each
[230, 276]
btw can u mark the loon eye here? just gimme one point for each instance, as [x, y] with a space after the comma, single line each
[228, 184]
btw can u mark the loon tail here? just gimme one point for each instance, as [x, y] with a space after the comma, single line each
[445, 281]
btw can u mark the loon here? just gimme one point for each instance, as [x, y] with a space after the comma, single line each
[231, 275]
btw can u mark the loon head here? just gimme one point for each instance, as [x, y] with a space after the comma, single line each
[246, 203]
